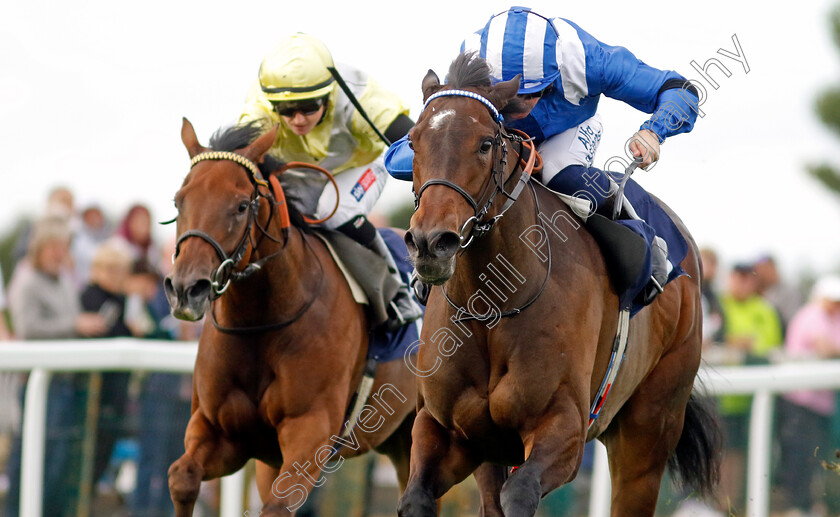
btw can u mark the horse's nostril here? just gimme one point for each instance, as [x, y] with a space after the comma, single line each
[200, 289]
[168, 288]
[446, 244]
[409, 242]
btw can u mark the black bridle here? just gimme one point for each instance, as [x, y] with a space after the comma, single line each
[221, 278]
[226, 272]
[476, 226]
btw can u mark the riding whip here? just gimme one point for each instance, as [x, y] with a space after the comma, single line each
[343, 85]
[619, 195]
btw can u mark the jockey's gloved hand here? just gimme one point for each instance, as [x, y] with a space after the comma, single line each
[645, 143]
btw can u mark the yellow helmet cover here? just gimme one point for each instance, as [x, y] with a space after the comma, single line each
[297, 69]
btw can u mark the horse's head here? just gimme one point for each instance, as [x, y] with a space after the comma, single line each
[217, 205]
[458, 150]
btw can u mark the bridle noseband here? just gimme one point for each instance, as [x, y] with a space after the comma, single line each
[479, 226]
[476, 226]
[226, 272]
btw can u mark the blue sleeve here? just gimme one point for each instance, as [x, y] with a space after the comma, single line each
[618, 74]
[399, 160]
[676, 112]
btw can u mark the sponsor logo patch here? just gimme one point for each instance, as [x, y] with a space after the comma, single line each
[361, 187]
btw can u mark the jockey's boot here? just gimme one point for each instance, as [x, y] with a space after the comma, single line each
[403, 308]
[661, 268]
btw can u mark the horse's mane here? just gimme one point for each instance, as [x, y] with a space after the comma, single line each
[469, 70]
[236, 137]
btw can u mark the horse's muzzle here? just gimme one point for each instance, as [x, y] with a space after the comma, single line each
[433, 255]
[188, 300]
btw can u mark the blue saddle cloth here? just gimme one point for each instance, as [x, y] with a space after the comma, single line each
[655, 222]
[384, 345]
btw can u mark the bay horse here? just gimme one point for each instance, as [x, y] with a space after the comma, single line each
[283, 350]
[516, 341]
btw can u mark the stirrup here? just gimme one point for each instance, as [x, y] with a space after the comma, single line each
[402, 310]
[420, 289]
[651, 291]
[656, 284]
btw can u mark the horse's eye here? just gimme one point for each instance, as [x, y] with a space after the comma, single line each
[486, 146]
[243, 206]
[410, 144]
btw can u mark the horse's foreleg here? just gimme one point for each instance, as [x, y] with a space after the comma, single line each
[438, 462]
[307, 460]
[398, 449]
[490, 479]
[265, 476]
[553, 452]
[208, 456]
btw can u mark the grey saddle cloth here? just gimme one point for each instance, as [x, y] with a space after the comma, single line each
[370, 270]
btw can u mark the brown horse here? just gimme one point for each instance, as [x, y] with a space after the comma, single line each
[516, 341]
[283, 349]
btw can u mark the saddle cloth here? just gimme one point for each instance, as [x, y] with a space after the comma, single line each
[625, 245]
[371, 284]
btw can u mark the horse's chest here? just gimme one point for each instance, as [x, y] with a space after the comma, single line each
[468, 412]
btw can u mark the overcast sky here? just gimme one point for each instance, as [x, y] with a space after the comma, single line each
[92, 94]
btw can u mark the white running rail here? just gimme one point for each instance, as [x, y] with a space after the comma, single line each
[763, 382]
[41, 358]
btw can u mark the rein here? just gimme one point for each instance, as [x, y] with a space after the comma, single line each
[512, 312]
[476, 226]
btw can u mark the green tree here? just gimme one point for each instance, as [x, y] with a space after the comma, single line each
[828, 109]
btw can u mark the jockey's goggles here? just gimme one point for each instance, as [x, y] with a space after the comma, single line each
[307, 107]
[536, 95]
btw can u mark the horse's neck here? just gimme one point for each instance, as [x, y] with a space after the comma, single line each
[497, 260]
[283, 282]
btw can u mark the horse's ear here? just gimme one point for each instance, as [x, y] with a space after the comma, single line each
[189, 139]
[260, 146]
[504, 91]
[431, 84]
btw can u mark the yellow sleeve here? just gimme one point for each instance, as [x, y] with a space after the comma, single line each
[382, 106]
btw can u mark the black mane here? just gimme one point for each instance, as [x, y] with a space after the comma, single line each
[468, 70]
[233, 138]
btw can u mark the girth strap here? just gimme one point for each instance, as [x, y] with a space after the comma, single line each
[616, 358]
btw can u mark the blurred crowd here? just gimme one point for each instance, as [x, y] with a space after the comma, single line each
[78, 275]
[756, 316]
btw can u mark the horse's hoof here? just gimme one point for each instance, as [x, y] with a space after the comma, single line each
[417, 503]
[520, 495]
[185, 481]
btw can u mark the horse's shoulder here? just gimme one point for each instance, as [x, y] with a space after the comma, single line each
[552, 210]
